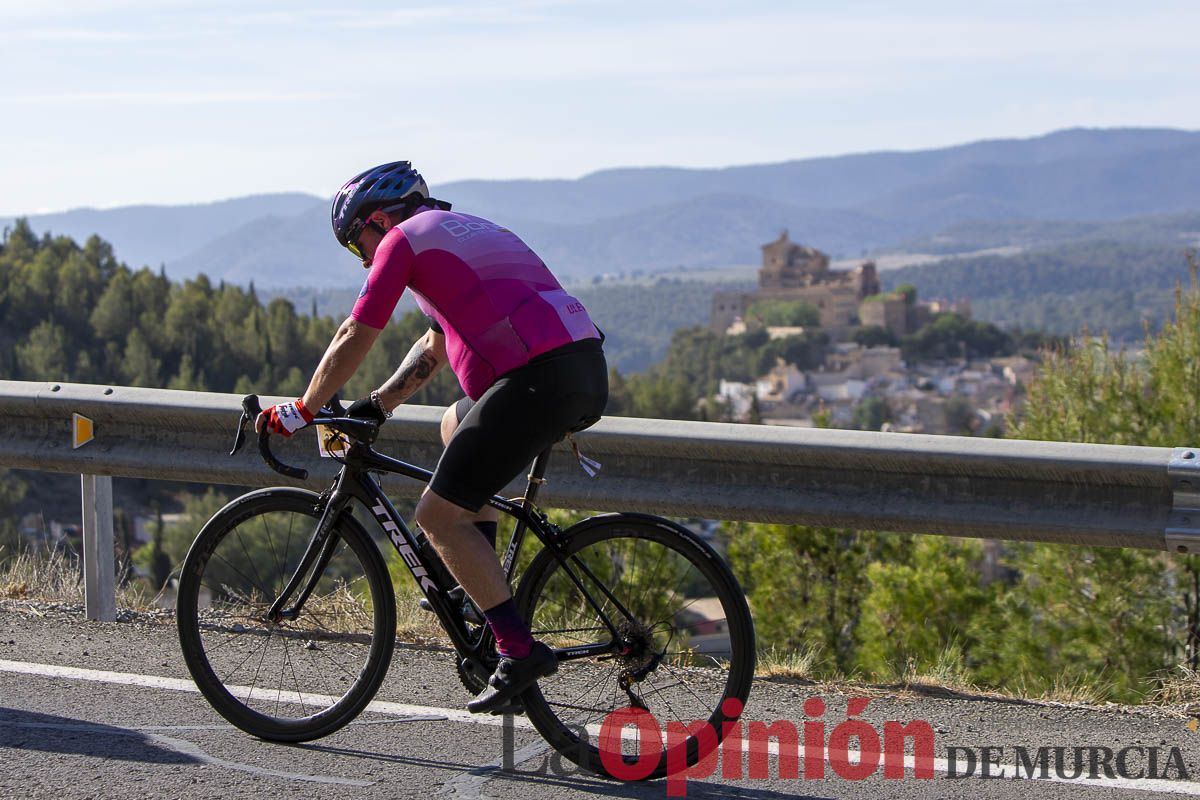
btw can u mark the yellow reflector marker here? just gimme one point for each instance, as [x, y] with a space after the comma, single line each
[330, 442]
[83, 429]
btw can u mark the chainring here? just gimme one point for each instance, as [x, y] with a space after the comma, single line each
[473, 682]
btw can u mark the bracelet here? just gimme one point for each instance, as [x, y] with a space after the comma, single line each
[377, 401]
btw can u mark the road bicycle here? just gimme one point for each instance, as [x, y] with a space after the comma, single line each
[287, 611]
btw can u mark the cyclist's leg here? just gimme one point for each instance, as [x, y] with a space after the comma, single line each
[485, 521]
[468, 556]
[519, 416]
[448, 511]
[483, 453]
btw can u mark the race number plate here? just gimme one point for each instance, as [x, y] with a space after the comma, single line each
[330, 442]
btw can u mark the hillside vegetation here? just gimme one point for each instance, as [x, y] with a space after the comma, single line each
[77, 314]
[1105, 286]
[966, 237]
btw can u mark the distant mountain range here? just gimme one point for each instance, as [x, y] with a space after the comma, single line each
[1065, 186]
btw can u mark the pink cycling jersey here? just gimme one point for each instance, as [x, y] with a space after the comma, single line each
[495, 301]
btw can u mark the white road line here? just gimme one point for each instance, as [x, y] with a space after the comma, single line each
[941, 765]
[187, 685]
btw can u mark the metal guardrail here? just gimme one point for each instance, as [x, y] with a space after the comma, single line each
[1083, 494]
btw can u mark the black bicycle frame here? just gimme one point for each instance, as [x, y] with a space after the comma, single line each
[355, 482]
[527, 518]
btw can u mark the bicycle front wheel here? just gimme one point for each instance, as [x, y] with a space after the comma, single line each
[291, 679]
[683, 648]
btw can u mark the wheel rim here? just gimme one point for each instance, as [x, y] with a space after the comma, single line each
[675, 657]
[290, 671]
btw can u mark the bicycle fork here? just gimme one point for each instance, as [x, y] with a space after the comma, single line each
[316, 558]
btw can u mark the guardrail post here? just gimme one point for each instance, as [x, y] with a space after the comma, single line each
[99, 567]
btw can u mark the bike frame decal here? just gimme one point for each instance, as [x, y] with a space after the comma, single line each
[401, 539]
[510, 555]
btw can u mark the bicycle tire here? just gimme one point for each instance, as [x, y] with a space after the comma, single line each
[709, 671]
[220, 613]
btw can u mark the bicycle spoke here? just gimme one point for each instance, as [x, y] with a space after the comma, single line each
[253, 564]
[233, 637]
[296, 670]
[654, 586]
[331, 660]
[229, 675]
[240, 574]
[685, 684]
[254, 682]
[599, 682]
[288, 657]
[274, 555]
[320, 673]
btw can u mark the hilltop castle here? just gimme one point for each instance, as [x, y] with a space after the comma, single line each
[793, 272]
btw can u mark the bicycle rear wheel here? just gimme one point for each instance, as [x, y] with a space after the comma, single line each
[685, 644]
[295, 679]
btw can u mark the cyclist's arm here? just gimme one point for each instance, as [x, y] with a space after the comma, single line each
[343, 356]
[427, 356]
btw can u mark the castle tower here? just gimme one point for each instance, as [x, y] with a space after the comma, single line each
[868, 280]
[787, 265]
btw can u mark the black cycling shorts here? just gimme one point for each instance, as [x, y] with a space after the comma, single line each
[520, 415]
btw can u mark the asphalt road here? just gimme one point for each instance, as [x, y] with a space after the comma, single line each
[98, 710]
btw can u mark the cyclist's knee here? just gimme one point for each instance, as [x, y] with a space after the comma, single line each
[449, 423]
[435, 513]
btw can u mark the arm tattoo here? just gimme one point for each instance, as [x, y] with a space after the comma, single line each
[414, 372]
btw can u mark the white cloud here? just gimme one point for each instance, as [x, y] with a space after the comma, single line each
[167, 97]
[791, 42]
[472, 14]
[80, 35]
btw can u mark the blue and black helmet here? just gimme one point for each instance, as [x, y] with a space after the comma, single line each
[386, 185]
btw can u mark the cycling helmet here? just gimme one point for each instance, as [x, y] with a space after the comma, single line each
[388, 185]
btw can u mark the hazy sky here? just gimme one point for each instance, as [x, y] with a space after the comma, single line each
[113, 102]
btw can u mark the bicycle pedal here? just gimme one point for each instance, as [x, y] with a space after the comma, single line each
[470, 613]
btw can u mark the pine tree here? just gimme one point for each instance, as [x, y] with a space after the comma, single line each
[140, 366]
[898, 634]
[12, 491]
[43, 355]
[806, 585]
[1110, 616]
[114, 313]
[160, 562]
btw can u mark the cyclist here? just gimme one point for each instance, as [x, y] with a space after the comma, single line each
[526, 353]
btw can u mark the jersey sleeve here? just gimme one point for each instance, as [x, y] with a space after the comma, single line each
[391, 271]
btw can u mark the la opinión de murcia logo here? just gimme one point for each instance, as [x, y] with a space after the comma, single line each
[853, 749]
[761, 740]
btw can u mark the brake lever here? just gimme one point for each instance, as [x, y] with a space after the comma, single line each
[240, 438]
[251, 408]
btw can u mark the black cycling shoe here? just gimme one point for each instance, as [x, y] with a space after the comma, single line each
[512, 677]
[458, 595]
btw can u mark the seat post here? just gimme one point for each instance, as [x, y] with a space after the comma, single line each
[537, 476]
